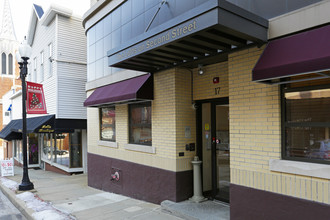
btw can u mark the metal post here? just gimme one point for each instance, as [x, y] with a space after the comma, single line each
[26, 184]
[198, 194]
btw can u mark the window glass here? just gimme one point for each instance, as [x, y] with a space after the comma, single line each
[108, 124]
[15, 148]
[4, 61]
[50, 50]
[41, 66]
[10, 64]
[33, 152]
[61, 154]
[307, 124]
[76, 149]
[48, 144]
[50, 60]
[35, 77]
[140, 124]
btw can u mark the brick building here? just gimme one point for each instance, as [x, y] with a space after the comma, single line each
[228, 81]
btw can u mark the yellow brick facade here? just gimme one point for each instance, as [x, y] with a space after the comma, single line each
[255, 134]
[255, 126]
[172, 112]
[204, 88]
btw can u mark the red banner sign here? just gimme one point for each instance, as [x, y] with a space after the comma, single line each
[35, 99]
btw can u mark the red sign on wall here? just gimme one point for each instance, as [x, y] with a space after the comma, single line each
[35, 99]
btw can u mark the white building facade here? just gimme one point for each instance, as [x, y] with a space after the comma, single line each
[58, 62]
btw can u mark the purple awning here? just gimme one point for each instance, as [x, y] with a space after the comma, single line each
[303, 53]
[134, 89]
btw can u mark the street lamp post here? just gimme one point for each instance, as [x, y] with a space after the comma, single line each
[22, 58]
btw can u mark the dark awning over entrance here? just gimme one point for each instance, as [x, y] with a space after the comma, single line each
[8, 134]
[42, 124]
[33, 125]
[203, 35]
[132, 90]
[13, 131]
[306, 53]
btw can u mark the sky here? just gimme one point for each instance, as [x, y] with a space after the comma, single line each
[21, 11]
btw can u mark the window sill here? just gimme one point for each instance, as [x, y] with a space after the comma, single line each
[141, 148]
[300, 168]
[108, 144]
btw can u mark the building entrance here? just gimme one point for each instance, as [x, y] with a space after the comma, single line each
[214, 129]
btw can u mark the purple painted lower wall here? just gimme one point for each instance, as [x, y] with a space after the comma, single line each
[248, 203]
[139, 181]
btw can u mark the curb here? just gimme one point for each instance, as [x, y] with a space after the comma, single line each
[20, 205]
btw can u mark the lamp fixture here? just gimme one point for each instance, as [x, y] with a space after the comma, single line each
[200, 70]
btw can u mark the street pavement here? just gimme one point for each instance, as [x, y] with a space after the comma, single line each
[8, 211]
[62, 197]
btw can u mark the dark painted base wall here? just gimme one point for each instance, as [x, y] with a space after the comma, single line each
[248, 203]
[138, 181]
[51, 168]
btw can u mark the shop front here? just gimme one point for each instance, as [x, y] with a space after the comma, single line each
[254, 113]
[50, 145]
[187, 110]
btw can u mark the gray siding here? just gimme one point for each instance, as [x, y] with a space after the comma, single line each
[71, 68]
[71, 40]
[44, 35]
[65, 87]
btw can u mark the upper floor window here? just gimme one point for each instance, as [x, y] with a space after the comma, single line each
[306, 124]
[50, 50]
[140, 123]
[108, 124]
[35, 69]
[10, 64]
[41, 66]
[50, 59]
[3, 63]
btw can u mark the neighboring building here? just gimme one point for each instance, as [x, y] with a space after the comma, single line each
[244, 85]
[58, 61]
[9, 76]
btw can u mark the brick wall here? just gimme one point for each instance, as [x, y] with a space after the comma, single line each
[204, 88]
[172, 112]
[255, 134]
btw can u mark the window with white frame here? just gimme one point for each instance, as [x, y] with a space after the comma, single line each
[42, 66]
[3, 64]
[10, 64]
[34, 77]
[108, 124]
[50, 59]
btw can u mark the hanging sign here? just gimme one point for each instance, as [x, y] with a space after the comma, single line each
[7, 167]
[35, 99]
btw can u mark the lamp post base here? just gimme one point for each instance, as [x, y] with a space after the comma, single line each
[25, 186]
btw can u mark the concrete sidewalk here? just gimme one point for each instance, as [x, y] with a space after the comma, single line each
[69, 197]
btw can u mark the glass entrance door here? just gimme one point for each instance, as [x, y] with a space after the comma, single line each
[222, 152]
[215, 149]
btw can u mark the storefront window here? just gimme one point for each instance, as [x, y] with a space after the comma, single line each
[307, 124]
[15, 148]
[47, 146]
[140, 124]
[19, 150]
[65, 149]
[108, 124]
[76, 149]
[61, 154]
[33, 149]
